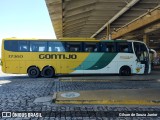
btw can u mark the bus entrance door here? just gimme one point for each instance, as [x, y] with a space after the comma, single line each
[142, 55]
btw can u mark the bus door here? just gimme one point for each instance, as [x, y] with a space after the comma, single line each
[142, 54]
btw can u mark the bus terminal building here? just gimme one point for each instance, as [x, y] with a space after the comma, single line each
[107, 19]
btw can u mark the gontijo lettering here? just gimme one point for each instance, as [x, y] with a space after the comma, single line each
[58, 56]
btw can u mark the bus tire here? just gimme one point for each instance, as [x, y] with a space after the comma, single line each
[48, 72]
[33, 72]
[125, 71]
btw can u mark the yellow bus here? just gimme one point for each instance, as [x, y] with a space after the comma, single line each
[44, 57]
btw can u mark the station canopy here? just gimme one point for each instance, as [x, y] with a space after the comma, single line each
[102, 19]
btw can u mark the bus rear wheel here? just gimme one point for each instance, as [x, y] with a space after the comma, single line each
[125, 71]
[33, 72]
[48, 72]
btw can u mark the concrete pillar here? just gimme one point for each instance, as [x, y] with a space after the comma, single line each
[146, 39]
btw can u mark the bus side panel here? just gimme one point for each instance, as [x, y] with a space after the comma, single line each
[126, 59]
[73, 66]
[110, 68]
[33, 59]
[12, 66]
[77, 66]
[22, 67]
[110, 62]
[67, 66]
[129, 59]
[97, 63]
[85, 63]
[64, 66]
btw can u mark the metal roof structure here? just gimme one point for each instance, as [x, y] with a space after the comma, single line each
[116, 19]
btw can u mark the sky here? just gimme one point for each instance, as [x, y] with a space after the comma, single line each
[25, 19]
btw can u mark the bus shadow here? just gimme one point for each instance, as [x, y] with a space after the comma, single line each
[86, 75]
[13, 77]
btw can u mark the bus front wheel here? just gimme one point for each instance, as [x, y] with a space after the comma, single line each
[48, 72]
[33, 72]
[125, 71]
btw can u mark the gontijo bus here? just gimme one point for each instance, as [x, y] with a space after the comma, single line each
[40, 57]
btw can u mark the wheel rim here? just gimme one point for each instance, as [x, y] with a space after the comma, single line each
[33, 72]
[48, 72]
[125, 72]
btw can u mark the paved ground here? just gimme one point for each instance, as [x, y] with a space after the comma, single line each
[18, 94]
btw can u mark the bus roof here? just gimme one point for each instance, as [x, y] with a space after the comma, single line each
[71, 39]
[61, 39]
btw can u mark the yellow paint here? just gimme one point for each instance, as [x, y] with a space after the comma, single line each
[20, 65]
[82, 80]
[112, 96]
[137, 70]
[108, 102]
[76, 38]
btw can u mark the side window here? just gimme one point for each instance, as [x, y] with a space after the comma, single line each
[23, 46]
[11, 45]
[74, 46]
[108, 47]
[124, 47]
[91, 47]
[38, 46]
[56, 47]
